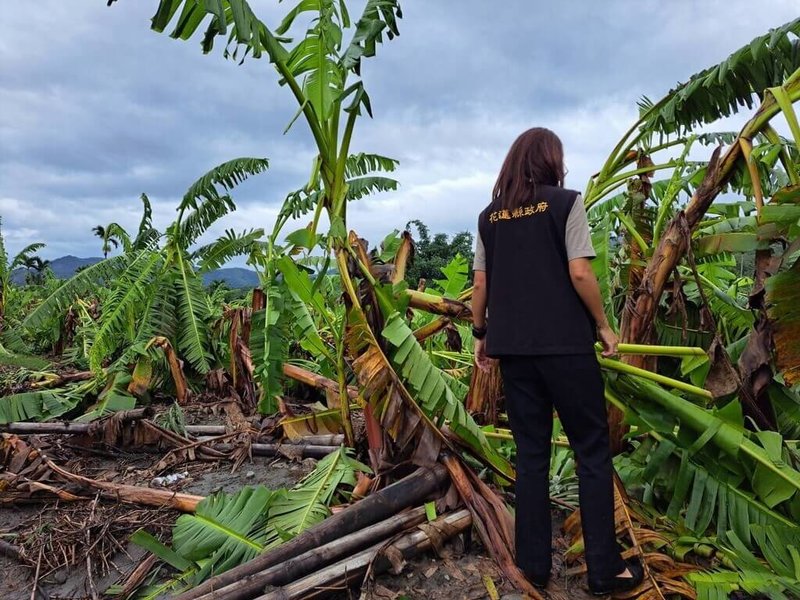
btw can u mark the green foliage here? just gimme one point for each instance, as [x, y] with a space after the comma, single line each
[174, 419]
[151, 291]
[131, 291]
[217, 253]
[720, 90]
[778, 573]
[431, 255]
[225, 176]
[114, 235]
[44, 404]
[146, 235]
[307, 503]
[433, 392]
[269, 345]
[81, 284]
[455, 277]
[697, 489]
[229, 529]
[21, 360]
[113, 398]
[193, 317]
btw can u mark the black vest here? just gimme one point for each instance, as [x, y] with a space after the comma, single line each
[533, 308]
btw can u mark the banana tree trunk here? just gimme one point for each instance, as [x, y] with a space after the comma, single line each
[133, 494]
[316, 559]
[639, 190]
[315, 380]
[377, 559]
[485, 393]
[447, 307]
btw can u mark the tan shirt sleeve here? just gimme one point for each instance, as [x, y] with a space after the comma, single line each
[479, 263]
[578, 238]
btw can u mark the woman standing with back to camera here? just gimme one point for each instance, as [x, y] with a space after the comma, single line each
[532, 272]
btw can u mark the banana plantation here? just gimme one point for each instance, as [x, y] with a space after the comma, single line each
[131, 378]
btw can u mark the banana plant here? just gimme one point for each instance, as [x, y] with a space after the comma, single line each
[718, 484]
[154, 290]
[674, 122]
[323, 74]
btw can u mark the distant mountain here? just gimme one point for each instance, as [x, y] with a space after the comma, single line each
[65, 267]
[235, 277]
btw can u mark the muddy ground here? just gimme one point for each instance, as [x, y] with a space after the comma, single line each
[54, 534]
[54, 519]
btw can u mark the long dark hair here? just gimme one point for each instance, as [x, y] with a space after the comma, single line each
[535, 157]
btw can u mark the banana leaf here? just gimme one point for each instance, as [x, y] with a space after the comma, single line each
[229, 529]
[434, 395]
[36, 406]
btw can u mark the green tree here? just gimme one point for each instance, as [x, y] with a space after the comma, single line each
[432, 254]
[23, 259]
[37, 270]
[111, 235]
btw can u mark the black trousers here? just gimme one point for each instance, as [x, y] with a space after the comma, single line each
[573, 384]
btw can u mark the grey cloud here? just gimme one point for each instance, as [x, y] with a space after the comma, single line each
[95, 108]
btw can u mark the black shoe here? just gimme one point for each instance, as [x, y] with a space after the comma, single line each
[539, 581]
[612, 585]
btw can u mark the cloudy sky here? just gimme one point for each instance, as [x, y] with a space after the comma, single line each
[95, 108]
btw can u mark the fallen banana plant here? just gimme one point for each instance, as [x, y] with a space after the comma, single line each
[248, 579]
[228, 530]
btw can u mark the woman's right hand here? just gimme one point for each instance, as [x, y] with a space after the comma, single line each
[608, 339]
[481, 359]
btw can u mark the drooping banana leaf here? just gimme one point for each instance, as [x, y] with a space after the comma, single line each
[771, 478]
[780, 548]
[11, 343]
[192, 310]
[86, 280]
[225, 530]
[434, 395]
[306, 296]
[720, 90]
[113, 398]
[225, 176]
[130, 291]
[217, 253]
[700, 492]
